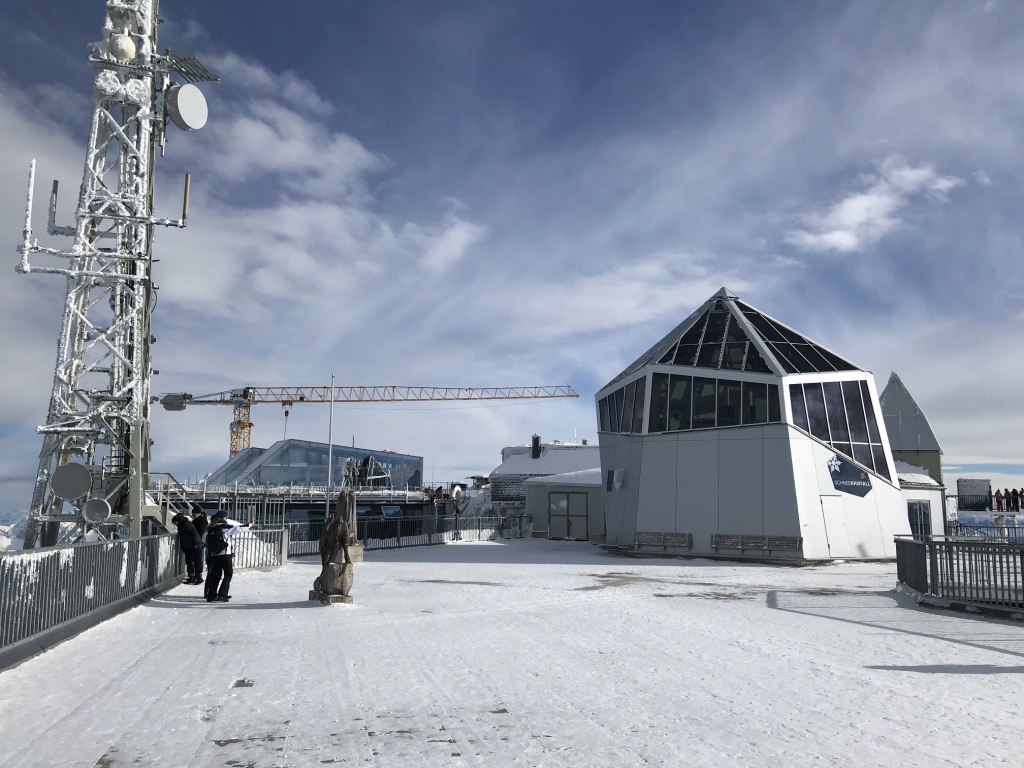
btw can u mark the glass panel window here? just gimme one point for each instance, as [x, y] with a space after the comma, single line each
[814, 357]
[732, 359]
[728, 403]
[855, 412]
[862, 455]
[659, 403]
[793, 357]
[869, 412]
[783, 357]
[679, 403]
[704, 402]
[686, 354]
[787, 333]
[881, 467]
[755, 403]
[715, 332]
[755, 363]
[696, 331]
[844, 448]
[774, 406]
[669, 356]
[627, 409]
[638, 405]
[620, 393]
[734, 332]
[766, 329]
[796, 395]
[836, 412]
[604, 414]
[815, 402]
[710, 355]
[837, 362]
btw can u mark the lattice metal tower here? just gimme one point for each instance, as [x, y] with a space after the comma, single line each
[94, 461]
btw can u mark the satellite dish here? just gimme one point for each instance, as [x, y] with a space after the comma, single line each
[71, 480]
[96, 511]
[186, 106]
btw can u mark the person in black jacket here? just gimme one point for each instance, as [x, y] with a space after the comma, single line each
[190, 543]
[220, 557]
[201, 524]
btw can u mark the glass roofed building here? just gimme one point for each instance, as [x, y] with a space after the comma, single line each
[302, 463]
[737, 436]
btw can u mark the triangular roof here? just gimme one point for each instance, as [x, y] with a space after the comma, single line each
[904, 421]
[726, 334]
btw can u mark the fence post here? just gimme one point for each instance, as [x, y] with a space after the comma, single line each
[285, 540]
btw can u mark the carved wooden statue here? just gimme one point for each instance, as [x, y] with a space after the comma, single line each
[335, 580]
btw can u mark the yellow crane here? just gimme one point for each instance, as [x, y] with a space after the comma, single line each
[242, 399]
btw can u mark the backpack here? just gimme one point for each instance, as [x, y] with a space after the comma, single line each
[216, 541]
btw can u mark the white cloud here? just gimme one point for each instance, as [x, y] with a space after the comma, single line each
[864, 218]
[254, 77]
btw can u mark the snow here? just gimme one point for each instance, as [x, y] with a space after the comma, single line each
[909, 473]
[530, 652]
[553, 460]
[589, 477]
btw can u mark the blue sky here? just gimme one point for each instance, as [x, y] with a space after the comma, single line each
[481, 194]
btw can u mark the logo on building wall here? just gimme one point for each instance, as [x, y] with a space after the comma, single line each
[847, 477]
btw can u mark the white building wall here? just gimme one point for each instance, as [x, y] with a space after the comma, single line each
[770, 480]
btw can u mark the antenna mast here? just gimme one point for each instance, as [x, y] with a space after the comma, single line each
[94, 462]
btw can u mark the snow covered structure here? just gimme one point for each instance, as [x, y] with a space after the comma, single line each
[737, 436]
[567, 506]
[925, 500]
[521, 462]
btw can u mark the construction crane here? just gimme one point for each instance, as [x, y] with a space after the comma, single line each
[242, 399]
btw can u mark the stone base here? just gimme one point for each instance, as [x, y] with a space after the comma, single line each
[320, 597]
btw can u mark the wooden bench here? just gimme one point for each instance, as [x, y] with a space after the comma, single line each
[757, 543]
[662, 541]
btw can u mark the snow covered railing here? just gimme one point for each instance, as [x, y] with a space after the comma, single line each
[396, 532]
[969, 573]
[41, 589]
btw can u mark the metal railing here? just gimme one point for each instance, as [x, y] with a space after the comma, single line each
[1005, 532]
[969, 572]
[41, 589]
[396, 532]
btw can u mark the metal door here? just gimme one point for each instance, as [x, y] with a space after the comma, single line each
[835, 527]
[567, 516]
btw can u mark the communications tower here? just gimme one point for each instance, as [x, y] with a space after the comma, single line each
[94, 462]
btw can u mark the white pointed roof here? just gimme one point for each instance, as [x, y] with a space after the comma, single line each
[906, 424]
[726, 334]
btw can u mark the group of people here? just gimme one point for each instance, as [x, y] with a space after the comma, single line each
[198, 536]
[1009, 500]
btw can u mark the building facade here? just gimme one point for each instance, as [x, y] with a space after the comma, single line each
[737, 436]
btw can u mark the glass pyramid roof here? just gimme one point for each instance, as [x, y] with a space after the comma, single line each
[726, 334]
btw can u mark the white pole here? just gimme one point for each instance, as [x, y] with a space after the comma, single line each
[330, 451]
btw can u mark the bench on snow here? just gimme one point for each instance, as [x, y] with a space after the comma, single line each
[757, 543]
[665, 541]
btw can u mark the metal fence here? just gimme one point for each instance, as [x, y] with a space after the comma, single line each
[41, 589]
[969, 572]
[1005, 532]
[396, 532]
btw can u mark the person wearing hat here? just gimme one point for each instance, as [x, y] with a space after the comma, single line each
[220, 557]
[191, 544]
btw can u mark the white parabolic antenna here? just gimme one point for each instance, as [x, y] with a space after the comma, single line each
[71, 480]
[96, 511]
[186, 106]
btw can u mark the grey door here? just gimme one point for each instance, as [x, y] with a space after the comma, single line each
[920, 515]
[567, 516]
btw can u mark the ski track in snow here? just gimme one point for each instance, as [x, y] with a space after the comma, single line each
[529, 653]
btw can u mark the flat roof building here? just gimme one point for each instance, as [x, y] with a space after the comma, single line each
[741, 437]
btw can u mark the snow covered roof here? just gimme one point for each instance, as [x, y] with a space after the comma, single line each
[726, 334]
[910, 475]
[580, 477]
[553, 460]
[907, 426]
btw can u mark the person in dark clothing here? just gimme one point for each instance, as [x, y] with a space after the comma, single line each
[191, 544]
[1016, 500]
[220, 557]
[201, 524]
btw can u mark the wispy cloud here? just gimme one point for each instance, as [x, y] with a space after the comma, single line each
[863, 218]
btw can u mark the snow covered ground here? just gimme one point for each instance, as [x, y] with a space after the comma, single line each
[529, 653]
